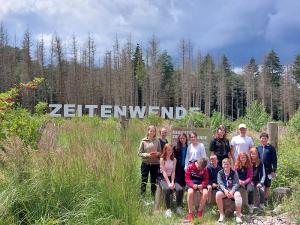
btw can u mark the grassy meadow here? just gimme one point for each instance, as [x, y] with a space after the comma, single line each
[86, 171]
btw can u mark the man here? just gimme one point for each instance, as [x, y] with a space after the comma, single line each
[213, 169]
[163, 137]
[268, 156]
[241, 142]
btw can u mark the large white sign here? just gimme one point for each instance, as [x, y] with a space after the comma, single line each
[105, 111]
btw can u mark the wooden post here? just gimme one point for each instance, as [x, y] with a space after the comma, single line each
[272, 129]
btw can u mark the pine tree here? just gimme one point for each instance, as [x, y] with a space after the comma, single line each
[139, 74]
[296, 69]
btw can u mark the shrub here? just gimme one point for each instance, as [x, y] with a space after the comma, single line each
[195, 119]
[217, 119]
[153, 119]
[41, 108]
[256, 117]
[19, 122]
[294, 123]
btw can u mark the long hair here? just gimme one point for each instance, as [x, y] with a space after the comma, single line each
[179, 144]
[257, 160]
[164, 152]
[221, 127]
[149, 128]
[238, 163]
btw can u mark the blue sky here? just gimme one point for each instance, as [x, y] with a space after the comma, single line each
[238, 28]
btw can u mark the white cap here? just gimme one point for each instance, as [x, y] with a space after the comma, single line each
[242, 125]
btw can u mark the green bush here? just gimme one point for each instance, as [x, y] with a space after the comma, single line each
[294, 123]
[19, 122]
[153, 119]
[41, 108]
[195, 119]
[217, 119]
[288, 161]
[256, 117]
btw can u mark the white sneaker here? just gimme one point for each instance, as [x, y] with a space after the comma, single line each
[251, 209]
[238, 220]
[262, 206]
[168, 213]
[221, 218]
[179, 210]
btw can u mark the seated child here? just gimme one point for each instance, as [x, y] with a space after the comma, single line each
[196, 177]
[213, 169]
[228, 182]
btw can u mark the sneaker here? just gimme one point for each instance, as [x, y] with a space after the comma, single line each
[199, 214]
[179, 210]
[238, 220]
[189, 217]
[262, 206]
[168, 213]
[221, 218]
[251, 209]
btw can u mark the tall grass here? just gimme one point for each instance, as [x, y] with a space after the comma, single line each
[90, 177]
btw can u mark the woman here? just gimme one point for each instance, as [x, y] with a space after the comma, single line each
[196, 177]
[220, 146]
[258, 179]
[195, 150]
[149, 151]
[228, 182]
[167, 182]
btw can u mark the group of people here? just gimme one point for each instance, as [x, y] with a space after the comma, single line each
[234, 165]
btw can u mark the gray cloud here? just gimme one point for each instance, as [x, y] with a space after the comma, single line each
[240, 29]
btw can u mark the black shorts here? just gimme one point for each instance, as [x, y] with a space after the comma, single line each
[267, 182]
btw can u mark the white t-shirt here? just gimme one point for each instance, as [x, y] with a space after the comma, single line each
[194, 153]
[241, 144]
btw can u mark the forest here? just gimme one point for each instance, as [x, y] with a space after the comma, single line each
[145, 74]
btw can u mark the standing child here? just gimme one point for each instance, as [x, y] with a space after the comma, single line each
[180, 153]
[167, 182]
[163, 137]
[196, 177]
[220, 146]
[149, 151]
[268, 156]
[195, 150]
[258, 179]
[228, 182]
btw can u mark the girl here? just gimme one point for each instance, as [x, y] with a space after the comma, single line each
[149, 151]
[220, 146]
[195, 150]
[244, 170]
[228, 182]
[180, 153]
[258, 179]
[167, 183]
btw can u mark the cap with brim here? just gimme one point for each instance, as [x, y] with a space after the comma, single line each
[242, 125]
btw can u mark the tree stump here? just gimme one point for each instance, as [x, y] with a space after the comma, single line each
[159, 198]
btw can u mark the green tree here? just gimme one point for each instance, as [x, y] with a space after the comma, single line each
[167, 72]
[272, 70]
[139, 73]
[296, 69]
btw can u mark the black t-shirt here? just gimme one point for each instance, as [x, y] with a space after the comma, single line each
[220, 147]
